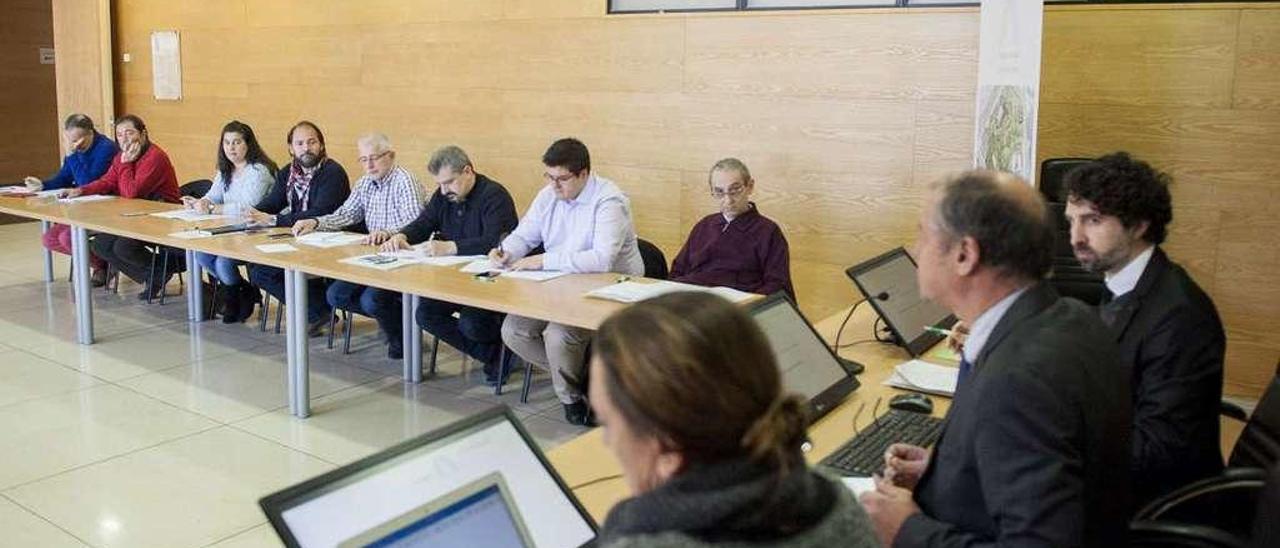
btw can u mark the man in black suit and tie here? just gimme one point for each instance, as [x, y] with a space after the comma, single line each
[1035, 447]
[1171, 339]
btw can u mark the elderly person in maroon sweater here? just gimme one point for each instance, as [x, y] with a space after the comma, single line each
[737, 246]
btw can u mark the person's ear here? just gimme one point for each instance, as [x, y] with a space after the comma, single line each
[968, 255]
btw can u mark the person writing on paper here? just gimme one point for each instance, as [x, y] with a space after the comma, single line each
[386, 199]
[466, 215]
[311, 186]
[584, 223]
[1171, 338]
[1035, 447]
[89, 157]
[715, 458]
[737, 246]
[141, 170]
[243, 178]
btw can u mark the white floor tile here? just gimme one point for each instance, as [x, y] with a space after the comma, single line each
[22, 528]
[262, 536]
[192, 492]
[26, 376]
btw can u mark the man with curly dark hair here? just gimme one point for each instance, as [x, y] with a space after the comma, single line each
[1169, 332]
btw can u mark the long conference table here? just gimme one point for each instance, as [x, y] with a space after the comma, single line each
[560, 300]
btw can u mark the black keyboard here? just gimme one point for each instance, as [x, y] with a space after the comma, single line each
[863, 455]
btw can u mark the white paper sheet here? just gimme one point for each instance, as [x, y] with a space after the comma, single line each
[534, 275]
[276, 248]
[922, 376]
[189, 215]
[859, 485]
[481, 266]
[379, 261]
[634, 292]
[329, 239]
[89, 198]
[191, 234]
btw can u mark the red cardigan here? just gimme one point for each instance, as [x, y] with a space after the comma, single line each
[150, 177]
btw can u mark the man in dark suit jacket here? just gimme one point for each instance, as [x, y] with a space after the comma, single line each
[1035, 447]
[1171, 339]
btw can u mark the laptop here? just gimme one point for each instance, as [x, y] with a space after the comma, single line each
[481, 481]
[889, 283]
[808, 366]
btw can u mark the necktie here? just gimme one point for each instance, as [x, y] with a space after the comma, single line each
[1111, 307]
[965, 369]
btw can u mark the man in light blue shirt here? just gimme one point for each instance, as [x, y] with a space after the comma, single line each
[584, 223]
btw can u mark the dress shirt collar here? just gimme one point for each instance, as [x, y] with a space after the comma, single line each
[588, 192]
[982, 327]
[1127, 279]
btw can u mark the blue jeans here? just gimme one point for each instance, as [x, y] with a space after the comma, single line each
[379, 304]
[226, 270]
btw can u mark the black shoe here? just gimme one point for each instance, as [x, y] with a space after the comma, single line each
[395, 352]
[578, 413]
[153, 290]
[230, 304]
[249, 298]
[491, 374]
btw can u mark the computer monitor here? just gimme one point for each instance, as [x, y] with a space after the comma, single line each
[808, 366]
[889, 283]
[481, 481]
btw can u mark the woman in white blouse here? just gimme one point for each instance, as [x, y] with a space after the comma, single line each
[244, 176]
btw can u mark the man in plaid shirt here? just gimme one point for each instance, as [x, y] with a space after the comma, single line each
[385, 199]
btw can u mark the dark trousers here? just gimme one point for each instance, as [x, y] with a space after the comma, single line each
[131, 257]
[379, 304]
[271, 280]
[475, 331]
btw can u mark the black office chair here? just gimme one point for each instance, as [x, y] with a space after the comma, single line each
[1155, 534]
[655, 263]
[1259, 443]
[1069, 277]
[172, 260]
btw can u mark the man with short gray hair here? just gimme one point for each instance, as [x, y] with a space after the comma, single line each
[385, 199]
[467, 215]
[1035, 448]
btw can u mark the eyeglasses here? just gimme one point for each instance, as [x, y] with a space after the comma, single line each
[373, 157]
[549, 178]
[733, 192]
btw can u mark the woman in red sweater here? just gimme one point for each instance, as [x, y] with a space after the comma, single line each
[141, 170]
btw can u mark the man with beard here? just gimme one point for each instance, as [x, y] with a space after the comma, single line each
[467, 215]
[311, 185]
[1171, 339]
[142, 170]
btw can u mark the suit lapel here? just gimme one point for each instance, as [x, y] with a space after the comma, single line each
[1155, 268]
[1037, 298]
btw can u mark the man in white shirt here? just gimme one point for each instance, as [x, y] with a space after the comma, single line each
[584, 224]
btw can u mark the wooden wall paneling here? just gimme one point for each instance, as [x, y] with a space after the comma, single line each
[1156, 57]
[1257, 68]
[897, 56]
[943, 141]
[552, 9]
[631, 129]
[283, 14]
[29, 140]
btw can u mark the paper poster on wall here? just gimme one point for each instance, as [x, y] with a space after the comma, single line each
[166, 65]
[1008, 86]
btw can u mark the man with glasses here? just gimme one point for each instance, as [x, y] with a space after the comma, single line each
[385, 199]
[736, 247]
[584, 223]
[467, 215]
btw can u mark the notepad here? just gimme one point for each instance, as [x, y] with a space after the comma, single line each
[634, 292]
[189, 215]
[534, 275]
[329, 239]
[859, 485]
[379, 261]
[922, 376]
[276, 248]
[191, 234]
[481, 266]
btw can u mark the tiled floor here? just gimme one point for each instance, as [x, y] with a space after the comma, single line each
[165, 433]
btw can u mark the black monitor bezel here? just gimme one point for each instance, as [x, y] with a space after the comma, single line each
[830, 398]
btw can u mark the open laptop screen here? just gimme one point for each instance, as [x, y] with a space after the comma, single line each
[479, 482]
[807, 364]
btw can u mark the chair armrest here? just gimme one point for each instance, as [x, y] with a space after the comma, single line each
[1230, 479]
[1166, 534]
[1234, 411]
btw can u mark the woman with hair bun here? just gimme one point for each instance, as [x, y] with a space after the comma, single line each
[687, 390]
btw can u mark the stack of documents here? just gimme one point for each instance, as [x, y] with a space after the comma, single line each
[634, 292]
[380, 261]
[329, 239]
[922, 376]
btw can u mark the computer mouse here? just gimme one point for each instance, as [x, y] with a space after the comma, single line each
[913, 402]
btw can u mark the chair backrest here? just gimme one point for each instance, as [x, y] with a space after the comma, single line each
[655, 263]
[1053, 172]
[1070, 277]
[1226, 502]
[1259, 443]
[196, 189]
[1153, 534]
